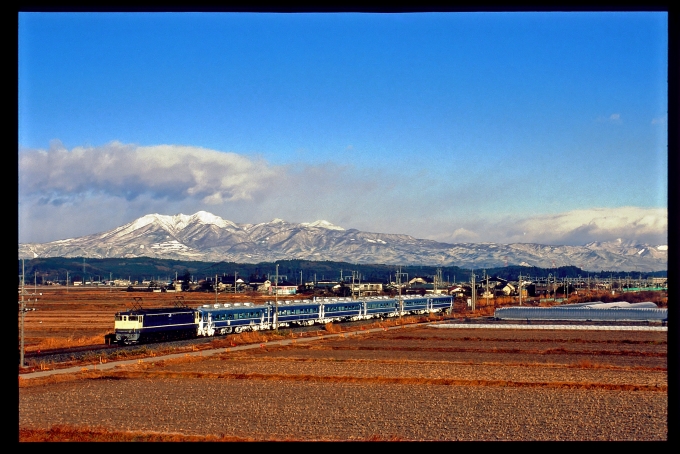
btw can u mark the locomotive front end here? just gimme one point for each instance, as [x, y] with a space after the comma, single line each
[128, 327]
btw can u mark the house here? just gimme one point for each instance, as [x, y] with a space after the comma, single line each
[326, 286]
[283, 288]
[420, 281]
[366, 288]
[456, 290]
[260, 286]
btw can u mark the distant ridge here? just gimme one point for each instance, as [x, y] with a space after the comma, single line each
[204, 236]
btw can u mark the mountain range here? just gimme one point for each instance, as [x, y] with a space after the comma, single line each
[206, 237]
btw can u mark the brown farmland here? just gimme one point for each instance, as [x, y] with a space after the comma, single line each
[413, 383]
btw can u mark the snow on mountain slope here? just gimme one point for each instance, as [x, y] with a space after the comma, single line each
[204, 236]
[322, 224]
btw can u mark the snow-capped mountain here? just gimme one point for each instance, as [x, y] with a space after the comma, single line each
[204, 236]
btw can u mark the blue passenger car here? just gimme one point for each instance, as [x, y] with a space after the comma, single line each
[227, 318]
[297, 313]
[441, 302]
[417, 305]
[342, 310]
[381, 307]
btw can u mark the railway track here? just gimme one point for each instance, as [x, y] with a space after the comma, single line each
[85, 353]
[91, 352]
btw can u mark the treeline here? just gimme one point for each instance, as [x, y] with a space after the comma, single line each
[144, 268]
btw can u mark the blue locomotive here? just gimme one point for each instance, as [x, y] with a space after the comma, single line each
[150, 325]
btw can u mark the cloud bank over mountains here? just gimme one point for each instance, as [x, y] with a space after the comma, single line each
[647, 225]
[69, 193]
[170, 172]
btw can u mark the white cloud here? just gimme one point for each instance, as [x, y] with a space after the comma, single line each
[614, 118]
[462, 235]
[575, 227]
[170, 172]
[660, 120]
[104, 187]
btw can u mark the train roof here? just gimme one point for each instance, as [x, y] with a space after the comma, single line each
[157, 310]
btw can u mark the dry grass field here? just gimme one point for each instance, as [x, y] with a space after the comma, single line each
[83, 316]
[411, 383]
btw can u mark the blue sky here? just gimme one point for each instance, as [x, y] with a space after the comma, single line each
[459, 127]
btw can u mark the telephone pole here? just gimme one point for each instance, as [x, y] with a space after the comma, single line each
[276, 299]
[23, 309]
[356, 275]
[474, 292]
[398, 275]
[520, 288]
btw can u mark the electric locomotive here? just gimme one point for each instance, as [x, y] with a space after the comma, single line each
[159, 324]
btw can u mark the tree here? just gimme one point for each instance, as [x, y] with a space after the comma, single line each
[344, 290]
[186, 279]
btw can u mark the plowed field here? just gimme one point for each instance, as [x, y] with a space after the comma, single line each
[404, 384]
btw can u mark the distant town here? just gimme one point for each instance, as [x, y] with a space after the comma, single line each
[309, 279]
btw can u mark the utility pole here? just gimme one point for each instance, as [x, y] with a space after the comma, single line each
[353, 277]
[474, 291]
[357, 275]
[401, 302]
[519, 286]
[23, 308]
[216, 289]
[235, 274]
[276, 299]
